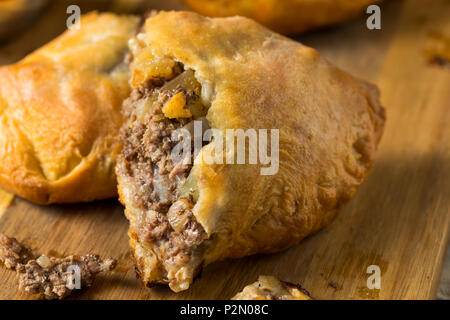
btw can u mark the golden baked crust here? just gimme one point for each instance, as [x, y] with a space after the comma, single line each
[271, 288]
[286, 16]
[329, 126]
[60, 113]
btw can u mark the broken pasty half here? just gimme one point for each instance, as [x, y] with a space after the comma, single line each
[60, 113]
[285, 16]
[245, 88]
[271, 288]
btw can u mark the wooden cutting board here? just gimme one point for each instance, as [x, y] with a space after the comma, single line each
[398, 220]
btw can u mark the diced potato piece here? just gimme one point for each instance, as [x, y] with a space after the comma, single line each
[145, 66]
[175, 107]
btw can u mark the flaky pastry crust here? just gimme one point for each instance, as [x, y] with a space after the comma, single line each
[60, 113]
[285, 16]
[329, 126]
[271, 288]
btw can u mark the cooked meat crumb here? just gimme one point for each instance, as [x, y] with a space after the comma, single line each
[333, 285]
[12, 253]
[53, 278]
[56, 279]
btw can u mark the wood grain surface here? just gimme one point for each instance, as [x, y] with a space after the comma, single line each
[398, 220]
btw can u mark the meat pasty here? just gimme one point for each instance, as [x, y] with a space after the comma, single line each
[315, 130]
[60, 113]
[286, 16]
[271, 288]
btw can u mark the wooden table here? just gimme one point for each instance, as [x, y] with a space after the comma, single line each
[399, 219]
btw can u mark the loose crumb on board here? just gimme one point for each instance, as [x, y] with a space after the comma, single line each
[51, 277]
[12, 253]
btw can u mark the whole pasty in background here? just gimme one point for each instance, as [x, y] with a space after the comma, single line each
[271, 288]
[232, 73]
[60, 113]
[285, 16]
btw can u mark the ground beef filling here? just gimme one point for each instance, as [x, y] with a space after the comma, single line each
[166, 219]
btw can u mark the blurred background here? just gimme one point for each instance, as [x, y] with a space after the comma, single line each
[287, 16]
[17, 15]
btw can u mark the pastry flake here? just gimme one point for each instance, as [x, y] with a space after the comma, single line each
[185, 212]
[271, 288]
